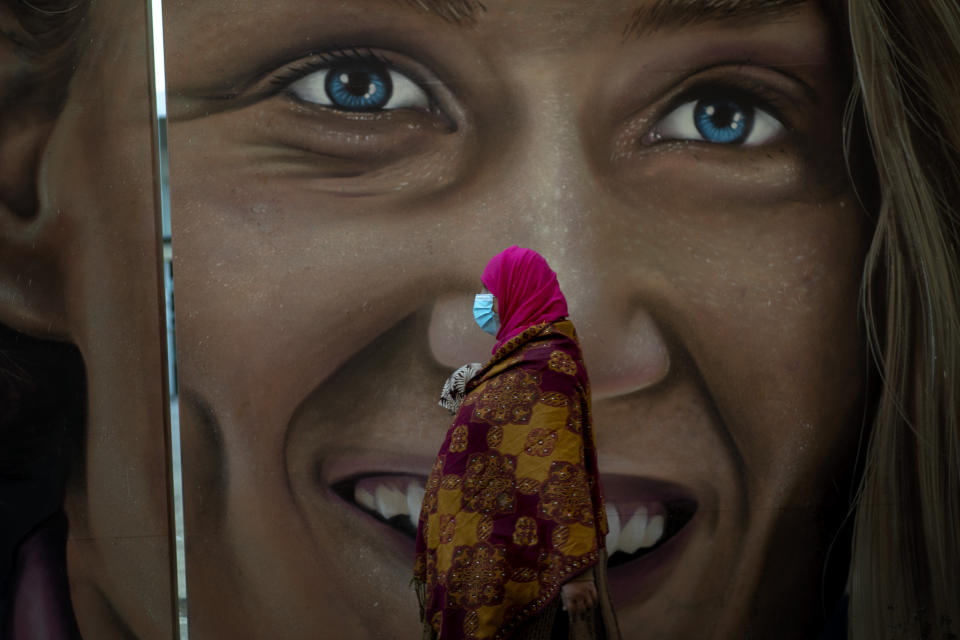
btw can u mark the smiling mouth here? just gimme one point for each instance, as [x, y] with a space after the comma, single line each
[642, 514]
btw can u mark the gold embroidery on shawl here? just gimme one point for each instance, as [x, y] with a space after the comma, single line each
[528, 486]
[477, 576]
[565, 496]
[540, 442]
[575, 419]
[525, 532]
[560, 535]
[470, 623]
[484, 528]
[433, 484]
[551, 569]
[519, 339]
[458, 439]
[448, 527]
[523, 574]
[431, 569]
[562, 363]
[554, 399]
[507, 398]
[489, 485]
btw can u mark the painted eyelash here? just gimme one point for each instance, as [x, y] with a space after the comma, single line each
[324, 59]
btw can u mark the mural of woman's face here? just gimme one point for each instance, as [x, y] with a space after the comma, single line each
[342, 172]
[79, 259]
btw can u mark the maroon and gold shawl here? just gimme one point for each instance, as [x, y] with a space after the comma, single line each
[513, 507]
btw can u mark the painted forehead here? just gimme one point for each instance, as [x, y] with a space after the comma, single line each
[650, 16]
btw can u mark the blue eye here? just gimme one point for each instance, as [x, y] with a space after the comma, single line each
[722, 121]
[360, 85]
[719, 120]
[356, 88]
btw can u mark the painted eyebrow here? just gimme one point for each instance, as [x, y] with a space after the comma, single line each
[669, 15]
[458, 12]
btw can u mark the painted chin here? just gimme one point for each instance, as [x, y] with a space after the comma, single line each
[650, 520]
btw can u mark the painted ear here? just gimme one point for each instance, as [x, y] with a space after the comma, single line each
[30, 99]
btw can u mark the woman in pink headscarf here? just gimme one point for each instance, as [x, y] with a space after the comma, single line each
[512, 528]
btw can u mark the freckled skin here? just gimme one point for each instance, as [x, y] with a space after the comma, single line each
[326, 265]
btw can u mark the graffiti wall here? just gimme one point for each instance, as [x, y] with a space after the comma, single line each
[742, 255]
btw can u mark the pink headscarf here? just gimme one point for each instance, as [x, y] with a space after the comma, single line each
[526, 290]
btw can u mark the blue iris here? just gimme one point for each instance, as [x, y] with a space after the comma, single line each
[723, 121]
[358, 87]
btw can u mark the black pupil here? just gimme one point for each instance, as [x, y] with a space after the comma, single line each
[358, 82]
[723, 114]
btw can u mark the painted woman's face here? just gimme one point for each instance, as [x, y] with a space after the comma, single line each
[341, 174]
[83, 257]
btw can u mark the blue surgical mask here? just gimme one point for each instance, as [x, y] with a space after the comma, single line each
[484, 314]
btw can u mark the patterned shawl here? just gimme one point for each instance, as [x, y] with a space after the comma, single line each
[513, 506]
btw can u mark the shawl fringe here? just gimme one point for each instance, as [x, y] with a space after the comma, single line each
[420, 588]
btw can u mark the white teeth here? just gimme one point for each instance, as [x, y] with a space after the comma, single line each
[390, 501]
[365, 499]
[631, 537]
[654, 531]
[613, 522]
[414, 502]
[642, 531]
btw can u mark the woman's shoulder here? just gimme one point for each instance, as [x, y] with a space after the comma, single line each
[539, 347]
[549, 354]
[555, 336]
[555, 351]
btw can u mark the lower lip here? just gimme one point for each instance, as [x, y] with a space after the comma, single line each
[638, 579]
[395, 541]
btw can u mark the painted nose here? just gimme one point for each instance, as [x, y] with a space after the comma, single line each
[601, 267]
[623, 347]
[624, 357]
